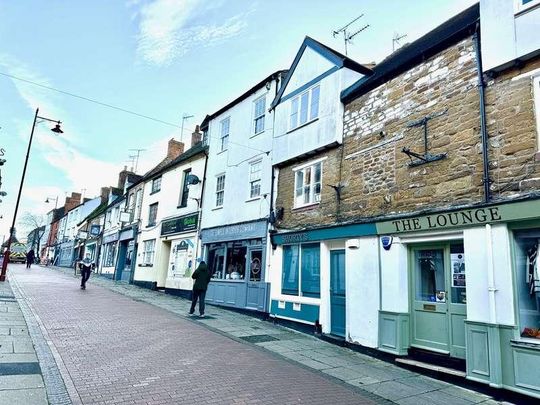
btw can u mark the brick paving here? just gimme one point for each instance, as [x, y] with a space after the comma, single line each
[113, 349]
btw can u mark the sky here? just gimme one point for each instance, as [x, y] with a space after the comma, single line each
[158, 58]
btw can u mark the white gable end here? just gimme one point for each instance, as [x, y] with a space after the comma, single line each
[310, 66]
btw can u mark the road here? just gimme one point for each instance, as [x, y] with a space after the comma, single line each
[112, 349]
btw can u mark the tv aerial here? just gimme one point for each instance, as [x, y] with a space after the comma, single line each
[347, 35]
[396, 39]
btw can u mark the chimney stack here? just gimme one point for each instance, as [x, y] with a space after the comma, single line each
[72, 202]
[174, 149]
[122, 178]
[104, 194]
[196, 136]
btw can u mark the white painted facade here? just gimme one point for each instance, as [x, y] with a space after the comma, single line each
[111, 229]
[509, 31]
[166, 252]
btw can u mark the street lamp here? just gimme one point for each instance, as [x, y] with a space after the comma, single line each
[57, 130]
[49, 199]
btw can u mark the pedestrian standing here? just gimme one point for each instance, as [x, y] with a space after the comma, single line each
[86, 266]
[30, 257]
[202, 277]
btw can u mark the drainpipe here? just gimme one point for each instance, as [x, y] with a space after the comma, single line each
[200, 205]
[483, 129]
[491, 276]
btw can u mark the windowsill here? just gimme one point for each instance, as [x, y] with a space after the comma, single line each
[222, 151]
[302, 126]
[258, 133]
[253, 199]
[150, 225]
[530, 343]
[181, 206]
[155, 192]
[306, 207]
[217, 208]
[145, 265]
[525, 9]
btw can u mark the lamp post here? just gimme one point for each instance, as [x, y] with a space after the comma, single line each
[49, 199]
[57, 130]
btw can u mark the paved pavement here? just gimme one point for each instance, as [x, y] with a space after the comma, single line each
[117, 343]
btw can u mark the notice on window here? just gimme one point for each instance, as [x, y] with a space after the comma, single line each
[457, 261]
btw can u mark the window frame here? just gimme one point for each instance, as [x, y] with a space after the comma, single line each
[148, 254]
[150, 207]
[300, 272]
[295, 107]
[262, 116]
[156, 185]
[312, 199]
[224, 138]
[536, 102]
[251, 181]
[218, 191]
[184, 192]
[519, 7]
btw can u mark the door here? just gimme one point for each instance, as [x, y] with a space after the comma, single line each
[255, 294]
[126, 271]
[437, 316]
[337, 292]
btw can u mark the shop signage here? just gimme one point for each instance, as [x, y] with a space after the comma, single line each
[295, 237]
[234, 232]
[180, 224]
[95, 230]
[110, 238]
[126, 234]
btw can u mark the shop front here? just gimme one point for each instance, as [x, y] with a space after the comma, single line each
[179, 235]
[464, 284]
[126, 255]
[236, 256]
[65, 254]
[109, 255]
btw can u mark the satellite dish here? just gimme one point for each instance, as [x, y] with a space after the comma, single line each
[192, 179]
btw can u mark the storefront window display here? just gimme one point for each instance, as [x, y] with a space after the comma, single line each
[230, 260]
[110, 255]
[301, 270]
[528, 282]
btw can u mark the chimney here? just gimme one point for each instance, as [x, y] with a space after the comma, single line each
[174, 149]
[122, 178]
[104, 194]
[196, 136]
[72, 202]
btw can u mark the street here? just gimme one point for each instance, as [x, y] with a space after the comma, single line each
[117, 350]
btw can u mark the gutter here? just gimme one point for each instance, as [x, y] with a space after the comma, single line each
[483, 129]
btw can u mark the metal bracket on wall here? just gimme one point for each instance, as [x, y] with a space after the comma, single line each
[426, 157]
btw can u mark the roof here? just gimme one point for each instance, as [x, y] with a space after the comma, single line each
[337, 58]
[242, 97]
[167, 163]
[450, 32]
[100, 209]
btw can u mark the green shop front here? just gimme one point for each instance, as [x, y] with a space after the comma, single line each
[464, 284]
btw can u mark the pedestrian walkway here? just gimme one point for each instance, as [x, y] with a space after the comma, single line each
[386, 380]
[21, 382]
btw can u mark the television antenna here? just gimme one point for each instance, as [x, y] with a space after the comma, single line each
[347, 35]
[135, 158]
[396, 39]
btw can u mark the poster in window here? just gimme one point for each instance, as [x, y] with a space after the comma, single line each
[457, 261]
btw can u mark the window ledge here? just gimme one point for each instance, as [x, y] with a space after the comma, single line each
[302, 126]
[145, 265]
[150, 225]
[256, 134]
[306, 207]
[222, 151]
[181, 206]
[217, 208]
[530, 343]
[253, 199]
[155, 192]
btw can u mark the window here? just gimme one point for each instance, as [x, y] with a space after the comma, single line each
[301, 270]
[152, 214]
[111, 254]
[138, 204]
[260, 106]
[528, 282]
[522, 5]
[255, 179]
[156, 185]
[238, 260]
[225, 127]
[185, 189]
[149, 247]
[536, 93]
[308, 185]
[205, 137]
[304, 107]
[220, 190]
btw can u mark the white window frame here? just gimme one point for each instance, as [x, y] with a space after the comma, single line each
[313, 198]
[261, 116]
[156, 181]
[220, 190]
[224, 136]
[148, 254]
[296, 105]
[536, 95]
[520, 7]
[150, 214]
[253, 180]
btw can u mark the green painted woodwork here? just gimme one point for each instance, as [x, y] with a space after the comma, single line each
[337, 293]
[394, 332]
[337, 232]
[516, 211]
[307, 313]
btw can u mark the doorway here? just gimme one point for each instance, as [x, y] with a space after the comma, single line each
[439, 298]
[337, 293]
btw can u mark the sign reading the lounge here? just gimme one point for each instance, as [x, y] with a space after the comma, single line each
[180, 224]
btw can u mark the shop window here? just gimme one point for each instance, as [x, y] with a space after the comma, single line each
[458, 289]
[236, 261]
[229, 260]
[301, 270]
[111, 254]
[308, 185]
[216, 260]
[528, 283]
[149, 247]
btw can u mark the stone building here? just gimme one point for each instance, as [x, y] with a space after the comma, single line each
[430, 207]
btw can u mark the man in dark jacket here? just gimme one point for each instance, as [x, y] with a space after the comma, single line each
[202, 277]
[30, 257]
[86, 266]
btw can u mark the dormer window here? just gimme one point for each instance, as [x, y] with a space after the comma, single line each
[305, 107]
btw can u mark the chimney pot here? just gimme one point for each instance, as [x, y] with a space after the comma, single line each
[174, 149]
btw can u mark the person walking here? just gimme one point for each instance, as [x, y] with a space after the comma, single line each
[86, 266]
[30, 257]
[202, 277]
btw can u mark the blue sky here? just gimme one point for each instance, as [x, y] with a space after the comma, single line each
[160, 58]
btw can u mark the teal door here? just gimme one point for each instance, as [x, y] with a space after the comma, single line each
[337, 292]
[439, 299]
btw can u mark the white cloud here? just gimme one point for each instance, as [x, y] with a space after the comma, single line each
[167, 29]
